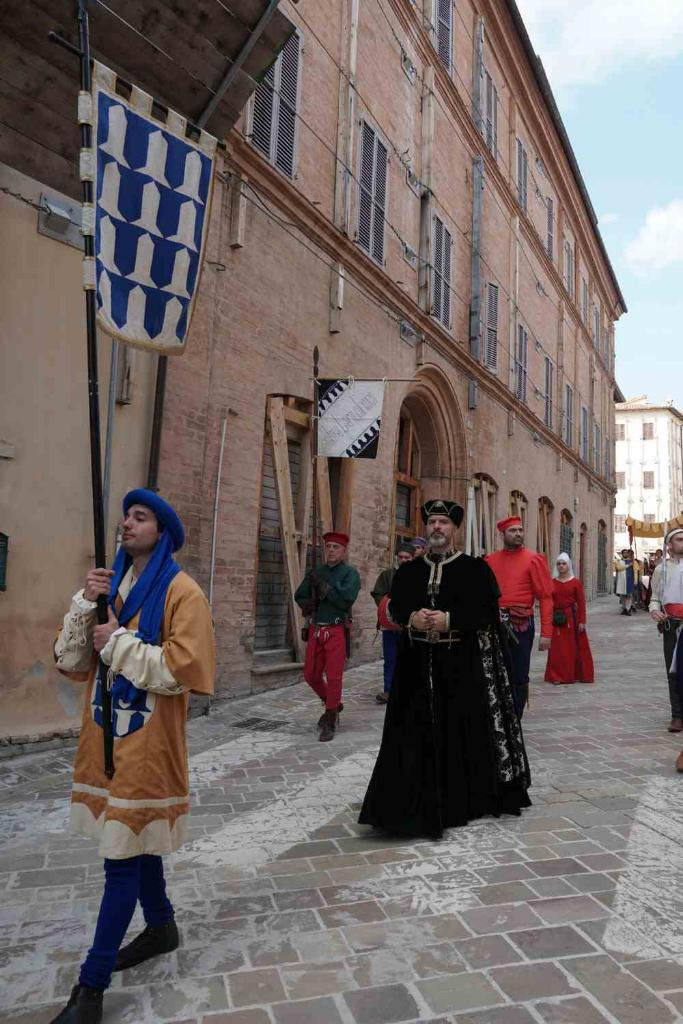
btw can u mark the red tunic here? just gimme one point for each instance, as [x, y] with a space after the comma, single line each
[569, 659]
[523, 577]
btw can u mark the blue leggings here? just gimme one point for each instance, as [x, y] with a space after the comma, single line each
[520, 655]
[125, 882]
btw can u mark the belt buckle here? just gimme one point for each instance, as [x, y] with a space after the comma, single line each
[433, 636]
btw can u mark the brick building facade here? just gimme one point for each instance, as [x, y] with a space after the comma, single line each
[401, 193]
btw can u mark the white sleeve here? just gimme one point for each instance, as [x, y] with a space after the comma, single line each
[656, 596]
[73, 646]
[143, 664]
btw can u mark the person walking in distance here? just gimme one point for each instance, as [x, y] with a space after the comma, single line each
[666, 609]
[156, 648]
[627, 580]
[327, 595]
[523, 577]
[569, 658]
[381, 590]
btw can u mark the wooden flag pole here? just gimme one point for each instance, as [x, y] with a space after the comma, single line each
[93, 392]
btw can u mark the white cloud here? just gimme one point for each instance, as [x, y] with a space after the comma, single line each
[659, 243]
[583, 42]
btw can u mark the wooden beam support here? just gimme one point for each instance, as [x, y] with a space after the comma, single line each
[301, 419]
[290, 552]
[303, 502]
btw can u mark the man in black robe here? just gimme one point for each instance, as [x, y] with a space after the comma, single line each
[452, 748]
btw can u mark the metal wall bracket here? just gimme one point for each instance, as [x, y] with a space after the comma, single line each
[409, 255]
[60, 219]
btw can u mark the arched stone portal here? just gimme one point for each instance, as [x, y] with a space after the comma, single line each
[431, 454]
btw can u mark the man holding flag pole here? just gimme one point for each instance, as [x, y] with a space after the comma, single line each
[140, 634]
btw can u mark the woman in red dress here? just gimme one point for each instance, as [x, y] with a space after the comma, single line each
[569, 659]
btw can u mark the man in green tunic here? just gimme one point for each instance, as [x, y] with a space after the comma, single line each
[327, 595]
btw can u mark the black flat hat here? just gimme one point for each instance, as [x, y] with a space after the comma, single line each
[441, 507]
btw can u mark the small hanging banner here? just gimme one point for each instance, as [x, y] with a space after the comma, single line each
[153, 189]
[349, 418]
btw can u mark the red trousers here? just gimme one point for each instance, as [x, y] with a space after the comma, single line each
[324, 664]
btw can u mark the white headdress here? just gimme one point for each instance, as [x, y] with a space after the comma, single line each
[564, 557]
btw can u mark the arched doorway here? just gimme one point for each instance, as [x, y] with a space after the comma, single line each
[567, 532]
[407, 488]
[485, 513]
[519, 506]
[430, 456]
[602, 557]
[583, 548]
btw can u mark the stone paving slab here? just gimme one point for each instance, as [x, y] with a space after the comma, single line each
[292, 913]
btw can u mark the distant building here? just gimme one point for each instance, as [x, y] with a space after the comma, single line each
[649, 467]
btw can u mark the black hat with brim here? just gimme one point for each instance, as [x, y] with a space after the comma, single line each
[441, 507]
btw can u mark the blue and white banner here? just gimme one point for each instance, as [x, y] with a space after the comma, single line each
[152, 187]
[349, 418]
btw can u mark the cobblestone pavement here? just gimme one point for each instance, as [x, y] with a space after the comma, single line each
[291, 913]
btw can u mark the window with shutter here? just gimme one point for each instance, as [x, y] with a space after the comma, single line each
[521, 363]
[372, 190]
[491, 348]
[584, 440]
[273, 123]
[597, 447]
[522, 175]
[584, 300]
[490, 126]
[569, 268]
[648, 480]
[620, 524]
[648, 431]
[620, 432]
[596, 326]
[441, 272]
[444, 32]
[548, 411]
[550, 227]
[568, 415]
[608, 446]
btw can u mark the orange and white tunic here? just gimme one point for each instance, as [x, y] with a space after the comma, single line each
[143, 809]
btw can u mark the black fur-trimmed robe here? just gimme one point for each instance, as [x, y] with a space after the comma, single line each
[452, 747]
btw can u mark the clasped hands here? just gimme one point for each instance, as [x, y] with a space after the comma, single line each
[428, 619]
[97, 583]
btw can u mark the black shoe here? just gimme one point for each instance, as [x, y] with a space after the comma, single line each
[328, 727]
[84, 1007]
[321, 720]
[151, 942]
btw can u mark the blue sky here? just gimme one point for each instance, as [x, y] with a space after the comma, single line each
[617, 73]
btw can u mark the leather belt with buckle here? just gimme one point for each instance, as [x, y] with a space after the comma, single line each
[433, 636]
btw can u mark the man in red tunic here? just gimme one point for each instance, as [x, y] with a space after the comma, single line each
[523, 577]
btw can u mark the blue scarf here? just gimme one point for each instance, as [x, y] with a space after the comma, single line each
[147, 596]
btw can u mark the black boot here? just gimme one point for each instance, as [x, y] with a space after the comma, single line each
[84, 1007]
[151, 942]
[321, 720]
[328, 727]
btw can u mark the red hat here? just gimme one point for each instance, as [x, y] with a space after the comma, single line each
[506, 524]
[337, 538]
